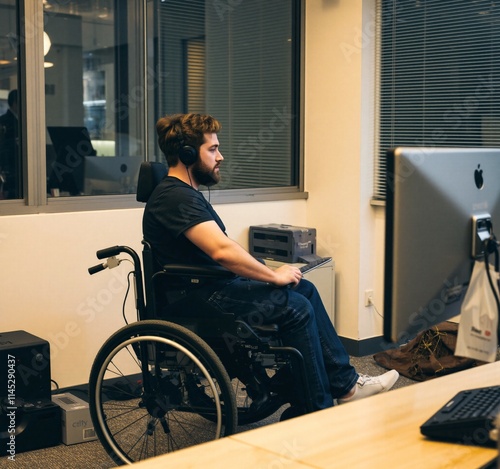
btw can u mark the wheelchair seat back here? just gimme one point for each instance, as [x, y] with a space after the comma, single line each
[150, 175]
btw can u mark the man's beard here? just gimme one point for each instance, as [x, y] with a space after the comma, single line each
[205, 176]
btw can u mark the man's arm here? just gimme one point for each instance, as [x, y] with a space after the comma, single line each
[223, 250]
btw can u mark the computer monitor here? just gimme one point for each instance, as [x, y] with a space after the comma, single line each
[111, 174]
[71, 146]
[440, 203]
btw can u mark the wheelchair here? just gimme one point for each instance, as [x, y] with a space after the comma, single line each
[168, 382]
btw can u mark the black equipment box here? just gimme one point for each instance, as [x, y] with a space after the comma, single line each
[283, 243]
[28, 418]
[26, 359]
[28, 425]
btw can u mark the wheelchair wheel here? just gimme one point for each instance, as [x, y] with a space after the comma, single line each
[156, 387]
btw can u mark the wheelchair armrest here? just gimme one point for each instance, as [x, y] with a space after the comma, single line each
[246, 331]
[211, 271]
[267, 328]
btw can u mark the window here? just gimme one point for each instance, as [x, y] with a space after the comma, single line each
[107, 70]
[439, 76]
[94, 97]
[239, 61]
[10, 136]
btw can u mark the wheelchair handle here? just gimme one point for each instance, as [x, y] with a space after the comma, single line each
[110, 252]
[97, 268]
[113, 251]
[109, 264]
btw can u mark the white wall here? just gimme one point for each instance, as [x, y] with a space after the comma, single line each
[47, 291]
[46, 288]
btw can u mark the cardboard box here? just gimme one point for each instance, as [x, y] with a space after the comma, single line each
[77, 426]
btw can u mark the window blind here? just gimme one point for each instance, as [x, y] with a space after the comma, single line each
[252, 49]
[238, 62]
[438, 75]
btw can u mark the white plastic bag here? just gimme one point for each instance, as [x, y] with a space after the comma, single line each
[477, 332]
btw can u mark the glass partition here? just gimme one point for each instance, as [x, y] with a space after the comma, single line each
[94, 95]
[11, 174]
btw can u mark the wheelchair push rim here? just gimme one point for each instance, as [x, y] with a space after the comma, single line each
[180, 396]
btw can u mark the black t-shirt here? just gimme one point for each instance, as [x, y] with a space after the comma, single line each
[173, 208]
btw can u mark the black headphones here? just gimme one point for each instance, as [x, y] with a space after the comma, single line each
[187, 154]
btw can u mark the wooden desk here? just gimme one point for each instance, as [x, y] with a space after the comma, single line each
[378, 432]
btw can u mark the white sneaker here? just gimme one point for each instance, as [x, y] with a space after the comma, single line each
[370, 385]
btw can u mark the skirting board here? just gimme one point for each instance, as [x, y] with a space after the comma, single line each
[361, 348]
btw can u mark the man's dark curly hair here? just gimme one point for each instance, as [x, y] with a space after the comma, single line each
[183, 129]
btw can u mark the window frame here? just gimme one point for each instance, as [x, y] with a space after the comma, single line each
[32, 103]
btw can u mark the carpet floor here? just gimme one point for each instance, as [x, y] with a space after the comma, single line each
[92, 455]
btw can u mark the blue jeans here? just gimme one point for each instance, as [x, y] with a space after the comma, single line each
[304, 324]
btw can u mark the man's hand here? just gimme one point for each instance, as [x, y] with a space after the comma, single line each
[287, 275]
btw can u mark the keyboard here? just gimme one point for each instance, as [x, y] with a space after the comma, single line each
[313, 264]
[467, 418]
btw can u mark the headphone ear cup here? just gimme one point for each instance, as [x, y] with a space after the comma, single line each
[188, 155]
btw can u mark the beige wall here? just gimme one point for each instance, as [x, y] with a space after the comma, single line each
[339, 148]
[47, 291]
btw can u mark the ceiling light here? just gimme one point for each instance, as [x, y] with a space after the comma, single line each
[46, 43]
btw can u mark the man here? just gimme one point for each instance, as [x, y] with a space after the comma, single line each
[182, 227]
[10, 173]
